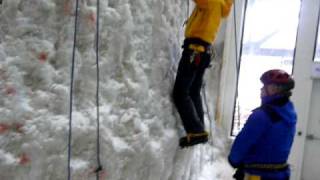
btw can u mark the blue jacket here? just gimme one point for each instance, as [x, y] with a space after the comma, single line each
[266, 138]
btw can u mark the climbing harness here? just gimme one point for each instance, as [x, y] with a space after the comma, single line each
[240, 174]
[267, 167]
[195, 58]
[252, 177]
[99, 166]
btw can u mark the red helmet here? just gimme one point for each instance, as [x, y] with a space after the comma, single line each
[278, 77]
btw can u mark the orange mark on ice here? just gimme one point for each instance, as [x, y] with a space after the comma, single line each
[102, 174]
[92, 17]
[24, 159]
[3, 128]
[17, 127]
[67, 7]
[10, 91]
[43, 56]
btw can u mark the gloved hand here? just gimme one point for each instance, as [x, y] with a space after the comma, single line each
[239, 174]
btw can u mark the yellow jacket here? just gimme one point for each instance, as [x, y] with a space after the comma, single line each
[205, 19]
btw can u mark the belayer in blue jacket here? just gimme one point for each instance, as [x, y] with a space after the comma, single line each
[261, 149]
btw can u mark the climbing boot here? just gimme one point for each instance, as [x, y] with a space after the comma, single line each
[193, 139]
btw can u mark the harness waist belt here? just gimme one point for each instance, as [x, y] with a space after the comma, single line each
[192, 42]
[267, 167]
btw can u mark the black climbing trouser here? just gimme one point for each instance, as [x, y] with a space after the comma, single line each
[187, 87]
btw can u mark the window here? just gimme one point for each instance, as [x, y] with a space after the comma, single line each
[269, 38]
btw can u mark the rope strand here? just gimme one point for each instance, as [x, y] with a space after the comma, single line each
[71, 89]
[99, 168]
[237, 63]
[238, 59]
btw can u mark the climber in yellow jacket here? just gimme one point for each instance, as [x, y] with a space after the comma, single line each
[205, 19]
[201, 30]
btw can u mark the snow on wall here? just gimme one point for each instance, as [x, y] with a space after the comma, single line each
[139, 50]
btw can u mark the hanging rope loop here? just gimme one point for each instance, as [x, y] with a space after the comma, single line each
[99, 166]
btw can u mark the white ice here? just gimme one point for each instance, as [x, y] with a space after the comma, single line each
[139, 52]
